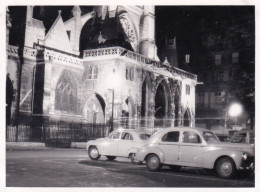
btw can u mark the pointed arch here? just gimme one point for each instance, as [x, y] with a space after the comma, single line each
[146, 91]
[94, 109]
[187, 118]
[66, 93]
[162, 102]
[128, 108]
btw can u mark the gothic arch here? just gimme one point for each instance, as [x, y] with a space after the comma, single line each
[187, 118]
[128, 108]
[146, 93]
[94, 109]
[162, 99]
[66, 93]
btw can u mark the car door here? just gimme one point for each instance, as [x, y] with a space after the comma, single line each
[110, 146]
[191, 149]
[125, 143]
[169, 145]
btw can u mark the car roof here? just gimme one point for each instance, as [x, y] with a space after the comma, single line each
[185, 129]
[130, 130]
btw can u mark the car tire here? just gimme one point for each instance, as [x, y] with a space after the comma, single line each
[111, 158]
[226, 168]
[132, 157]
[153, 162]
[93, 153]
[175, 167]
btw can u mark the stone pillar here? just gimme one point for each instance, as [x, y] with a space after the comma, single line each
[147, 45]
[77, 15]
[8, 26]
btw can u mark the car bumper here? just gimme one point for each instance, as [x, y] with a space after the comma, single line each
[247, 164]
[250, 167]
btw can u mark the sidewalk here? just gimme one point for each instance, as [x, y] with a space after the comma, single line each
[20, 146]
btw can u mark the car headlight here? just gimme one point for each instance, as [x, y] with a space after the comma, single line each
[244, 156]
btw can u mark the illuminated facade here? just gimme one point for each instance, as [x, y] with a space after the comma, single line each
[81, 68]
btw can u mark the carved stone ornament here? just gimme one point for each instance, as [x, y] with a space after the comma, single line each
[128, 28]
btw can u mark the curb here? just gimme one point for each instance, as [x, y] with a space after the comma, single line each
[34, 146]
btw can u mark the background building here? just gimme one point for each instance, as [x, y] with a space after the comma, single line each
[94, 68]
[220, 49]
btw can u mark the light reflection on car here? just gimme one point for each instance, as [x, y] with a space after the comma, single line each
[120, 143]
[195, 147]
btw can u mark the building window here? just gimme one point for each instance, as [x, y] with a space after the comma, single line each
[187, 89]
[95, 73]
[129, 74]
[68, 33]
[92, 72]
[218, 76]
[218, 59]
[235, 57]
[89, 72]
[65, 95]
[187, 58]
[132, 74]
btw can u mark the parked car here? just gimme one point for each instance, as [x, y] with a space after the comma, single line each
[195, 147]
[244, 136]
[120, 143]
[224, 138]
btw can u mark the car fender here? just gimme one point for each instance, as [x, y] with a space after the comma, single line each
[154, 150]
[211, 157]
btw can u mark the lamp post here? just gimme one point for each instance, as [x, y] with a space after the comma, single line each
[112, 115]
[234, 110]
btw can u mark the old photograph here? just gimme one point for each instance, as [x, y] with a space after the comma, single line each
[130, 96]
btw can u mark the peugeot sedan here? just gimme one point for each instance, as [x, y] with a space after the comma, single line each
[195, 147]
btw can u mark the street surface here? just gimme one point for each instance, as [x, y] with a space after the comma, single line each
[73, 168]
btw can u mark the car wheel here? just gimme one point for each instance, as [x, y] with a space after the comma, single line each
[132, 157]
[225, 168]
[153, 163]
[93, 153]
[111, 158]
[175, 167]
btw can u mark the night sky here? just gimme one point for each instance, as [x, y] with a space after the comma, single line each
[189, 24]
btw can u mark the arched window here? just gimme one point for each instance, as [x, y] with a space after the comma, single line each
[66, 95]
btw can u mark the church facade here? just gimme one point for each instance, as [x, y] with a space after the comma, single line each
[95, 68]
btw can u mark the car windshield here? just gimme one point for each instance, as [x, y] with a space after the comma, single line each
[144, 136]
[209, 136]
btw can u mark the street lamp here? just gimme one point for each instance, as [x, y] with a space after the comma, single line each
[234, 110]
[114, 83]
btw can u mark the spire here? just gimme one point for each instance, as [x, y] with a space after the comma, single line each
[166, 63]
[76, 11]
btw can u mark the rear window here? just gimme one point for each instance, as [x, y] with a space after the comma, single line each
[171, 136]
[144, 136]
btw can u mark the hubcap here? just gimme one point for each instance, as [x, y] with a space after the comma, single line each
[226, 168]
[94, 153]
[153, 162]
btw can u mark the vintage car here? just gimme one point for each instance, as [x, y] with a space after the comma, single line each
[195, 147]
[120, 143]
[244, 136]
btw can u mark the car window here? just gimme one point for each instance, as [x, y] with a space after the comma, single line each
[114, 135]
[127, 136]
[171, 136]
[191, 137]
[239, 138]
[144, 136]
[209, 136]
